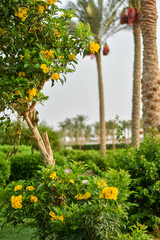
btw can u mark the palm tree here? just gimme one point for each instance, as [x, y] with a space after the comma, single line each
[151, 75]
[132, 18]
[88, 131]
[110, 125]
[102, 18]
[136, 96]
[62, 126]
[81, 123]
[76, 130]
[96, 126]
[69, 126]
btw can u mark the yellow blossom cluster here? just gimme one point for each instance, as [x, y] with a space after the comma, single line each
[57, 33]
[51, 2]
[3, 32]
[22, 13]
[34, 199]
[71, 181]
[53, 176]
[48, 54]
[44, 68]
[101, 183]
[55, 76]
[80, 196]
[55, 217]
[41, 9]
[21, 74]
[18, 187]
[32, 93]
[19, 131]
[109, 193]
[72, 56]
[94, 47]
[21, 56]
[30, 188]
[16, 201]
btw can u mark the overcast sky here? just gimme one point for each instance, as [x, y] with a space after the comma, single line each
[79, 95]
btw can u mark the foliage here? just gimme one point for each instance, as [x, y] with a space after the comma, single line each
[24, 165]
[143, 165]
[37, 44]
[10, 232]
[54, 137]
[64, 204]
[4, 169]
[97, 146]
[138, 232]
[26, 138]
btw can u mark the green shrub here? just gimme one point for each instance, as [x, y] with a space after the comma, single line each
[24, 165]
[4, 169]
[143, 165]
[66, 205]
[138, 232]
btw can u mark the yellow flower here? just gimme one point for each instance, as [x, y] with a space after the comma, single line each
[72, 56]
[21, 74]
[87, 195]
[107, 192]
[101, 183]
[16, 201]
[51, 2]
[32, 93]
[70, 15]
[94, 47]
[44, 68]
[101, 195]
[62, 15]
[60, 218]
[114, 193]
[30, 188]
[19, 131]
[34, 199]
[22, 13]
[55, 76]
[79, 196]
[71, 181]
[21, 56]
[53, 176]
[41, 9]
[55, 217]
[18, 187]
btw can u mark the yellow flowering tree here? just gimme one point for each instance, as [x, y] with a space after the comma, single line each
[37, 44]
[69, 205]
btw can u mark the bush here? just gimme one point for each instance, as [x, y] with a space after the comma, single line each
[143, 165]
[97, 146]
[138, 232]
[65, 205]
[24, 165]
[4, 169]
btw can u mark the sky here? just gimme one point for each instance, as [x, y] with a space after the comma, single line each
[79, 95]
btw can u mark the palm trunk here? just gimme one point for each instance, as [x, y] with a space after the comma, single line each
[151, 75]
[43, 144]
[136, 85]
[101, 107]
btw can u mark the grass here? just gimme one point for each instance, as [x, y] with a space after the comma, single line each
[10, 232]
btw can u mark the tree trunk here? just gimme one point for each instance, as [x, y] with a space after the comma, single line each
[136, 86]
[151, 75]
[101, 107]
[43, 144]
